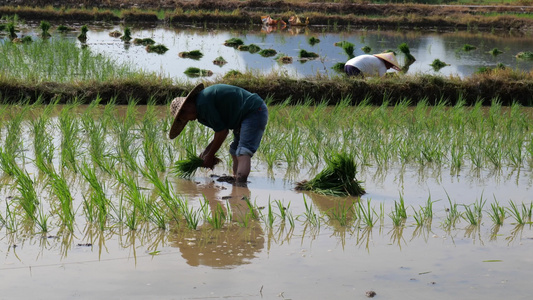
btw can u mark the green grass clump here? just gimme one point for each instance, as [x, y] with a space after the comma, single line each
[313, 40]
[233, 42]
[305, 54]
[337, 179]
[438, 64]
[194, 54]
[159, 49]
[197, 72]
[267, 52]
[143, 42]
[467, 47]
[525, 55]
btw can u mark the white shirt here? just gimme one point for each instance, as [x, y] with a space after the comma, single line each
[369, 65]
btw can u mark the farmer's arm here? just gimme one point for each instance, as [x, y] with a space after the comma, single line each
[209, 153]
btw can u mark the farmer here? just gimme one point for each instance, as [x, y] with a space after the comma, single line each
[367, 65]
[223, 107]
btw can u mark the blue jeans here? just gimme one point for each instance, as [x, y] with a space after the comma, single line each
[247, 138]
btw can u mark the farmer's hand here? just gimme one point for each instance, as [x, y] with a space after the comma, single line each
[209, 161]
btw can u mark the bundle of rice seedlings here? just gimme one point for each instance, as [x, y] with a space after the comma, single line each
[252, 48]
[409, 58]
[144, 42]
[337, 179]
[159, 48]
[186, 168]
[305, 54]
[194, 54]
[197, 72]
[268, 52]
[233, 42]
[525, 55]
[438, 64]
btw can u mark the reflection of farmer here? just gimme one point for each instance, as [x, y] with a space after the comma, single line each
[228, 247]
[371, 65]
[223, 107]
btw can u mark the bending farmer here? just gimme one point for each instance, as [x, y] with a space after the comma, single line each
[371, 65]
[223, 107]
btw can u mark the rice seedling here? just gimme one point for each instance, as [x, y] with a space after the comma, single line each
[337, 178]
[268, 52]
[525, 55]
[143, 42]
[42, 220]
[186, 168]
[97, 204]
[399, 213]
[521, 214]
[474, 215]
[215, 217]
[194, 54]
[468, 47]
[310, 216]
[192, 216]
[365, 213]
[45, 26]
[495, 52]
[115, 34]
[62, 192]
[424, 215]
[197, 72]
[313, 41]
[11, 31]
[127, 35]
[7, 163]
[305, 54]
[497, 213]
[269, 217]
[233, 42]
[63, 28]
[409, 58]
[338, 67]
[159, 49]
[220, 61]
[70, 141]
[452, 214]
[437, 64]
[366, 49]
[82, 37]
[28, 196]
[42, 141]
[342, 213]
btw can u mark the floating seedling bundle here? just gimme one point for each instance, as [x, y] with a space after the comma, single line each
[186, 168]
[337, 179]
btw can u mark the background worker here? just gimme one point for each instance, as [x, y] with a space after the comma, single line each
[367, 65]
[224, 107]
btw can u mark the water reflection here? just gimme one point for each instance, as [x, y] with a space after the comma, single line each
[237, 243]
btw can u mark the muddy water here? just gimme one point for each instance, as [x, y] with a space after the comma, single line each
[307, 261]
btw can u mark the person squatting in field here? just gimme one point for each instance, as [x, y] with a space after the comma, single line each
[367, 65]
[223, 107]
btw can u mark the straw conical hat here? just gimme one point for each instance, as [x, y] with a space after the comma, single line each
[175, 108]
[389, 57]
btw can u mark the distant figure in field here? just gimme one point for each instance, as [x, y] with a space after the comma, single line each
[367, 65]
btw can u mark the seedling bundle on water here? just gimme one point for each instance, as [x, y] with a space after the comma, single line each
[337, 179]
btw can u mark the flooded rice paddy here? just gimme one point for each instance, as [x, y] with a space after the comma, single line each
[133, 233]
[425, 46]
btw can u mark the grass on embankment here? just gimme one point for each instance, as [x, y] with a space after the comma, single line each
[250, 12]
[506, 86]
